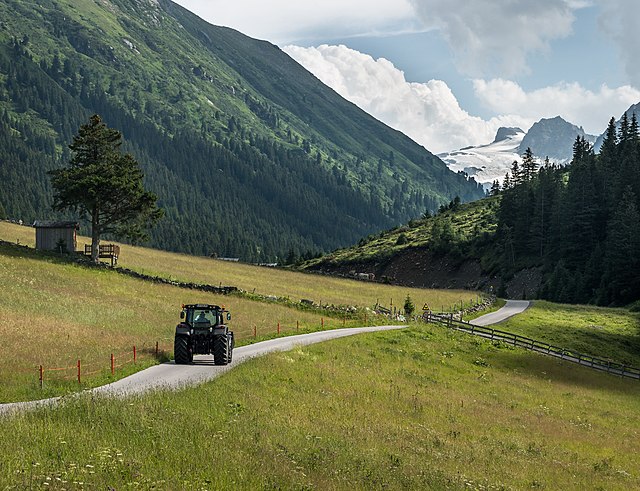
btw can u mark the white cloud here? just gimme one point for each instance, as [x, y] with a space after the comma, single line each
[282, 21]
[495, 36]
[620, 19]
[428, 112]
[590, 109]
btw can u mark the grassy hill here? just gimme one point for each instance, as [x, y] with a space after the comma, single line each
[54, 311]
[455, 248]
[250, 154]
[418, 408]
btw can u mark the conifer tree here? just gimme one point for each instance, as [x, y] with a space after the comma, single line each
[529, 165]
[621, 282]
[105, 186]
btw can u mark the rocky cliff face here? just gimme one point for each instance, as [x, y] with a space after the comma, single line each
[553, 138]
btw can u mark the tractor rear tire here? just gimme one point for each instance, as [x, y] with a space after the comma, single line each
[221, 350]
[232, 344]
[181, 351]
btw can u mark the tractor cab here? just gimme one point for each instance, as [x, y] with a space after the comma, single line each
[203, 315]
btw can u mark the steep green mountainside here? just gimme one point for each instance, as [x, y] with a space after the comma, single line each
[250, 155]
[455, 248]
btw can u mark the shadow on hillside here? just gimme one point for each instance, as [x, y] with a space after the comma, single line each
[9, 249]
[553, 370]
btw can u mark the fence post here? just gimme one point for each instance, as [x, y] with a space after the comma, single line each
[322, 322]
[113, 367]
[365, 319]
[297, 325]
[278, 328]
[41, 371]
[156, 349]
[78, 371]
[134, 354]
[255, 331]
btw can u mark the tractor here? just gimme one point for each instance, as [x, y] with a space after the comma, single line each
[202, 331]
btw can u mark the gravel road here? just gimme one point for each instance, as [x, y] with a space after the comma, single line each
[172, 376]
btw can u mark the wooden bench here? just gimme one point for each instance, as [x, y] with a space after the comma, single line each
[106, 251]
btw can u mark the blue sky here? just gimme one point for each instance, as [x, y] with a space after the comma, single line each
[450, 72]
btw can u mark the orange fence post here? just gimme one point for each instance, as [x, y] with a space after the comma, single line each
[278, 328]
[78, 371]
[134, 354]
[41, 376]
[255, 331]
[113, 367]
[322, 322]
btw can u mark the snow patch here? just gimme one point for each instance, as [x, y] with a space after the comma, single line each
[486, 163]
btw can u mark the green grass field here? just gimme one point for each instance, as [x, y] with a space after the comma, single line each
[612, 334]
[423, 408]
[265, 281]
[54, 313]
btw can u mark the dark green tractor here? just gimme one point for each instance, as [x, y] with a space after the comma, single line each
[203, 331]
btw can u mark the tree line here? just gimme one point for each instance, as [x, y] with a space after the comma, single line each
[581, 223]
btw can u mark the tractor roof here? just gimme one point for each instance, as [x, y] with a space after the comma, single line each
[202, 306]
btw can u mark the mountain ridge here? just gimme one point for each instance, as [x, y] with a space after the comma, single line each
[233, 135]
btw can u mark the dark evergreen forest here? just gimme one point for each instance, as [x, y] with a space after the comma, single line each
[582, 223]
[249, 154]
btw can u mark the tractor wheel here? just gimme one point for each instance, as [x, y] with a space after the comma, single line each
[181, 351]
[221, 350]
[232, 344]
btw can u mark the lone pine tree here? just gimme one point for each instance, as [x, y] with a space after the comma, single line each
[104, 186]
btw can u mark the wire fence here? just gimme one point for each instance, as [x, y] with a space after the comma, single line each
[110, 363]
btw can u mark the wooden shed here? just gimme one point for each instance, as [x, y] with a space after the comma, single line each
[56, 236]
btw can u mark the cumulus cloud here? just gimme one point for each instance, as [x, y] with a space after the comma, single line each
[587, 108]
[427, 112]
[282, 21]
[490, 37]
[620, 20]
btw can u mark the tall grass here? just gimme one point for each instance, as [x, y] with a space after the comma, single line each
[597, 331]
[423, 408]
[266, 281]
[54, 313]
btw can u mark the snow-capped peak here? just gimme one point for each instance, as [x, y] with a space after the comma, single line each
[487, 163]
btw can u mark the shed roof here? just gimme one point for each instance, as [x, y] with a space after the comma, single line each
[51, 224]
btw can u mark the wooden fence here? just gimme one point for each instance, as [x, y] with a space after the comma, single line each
[537, 346]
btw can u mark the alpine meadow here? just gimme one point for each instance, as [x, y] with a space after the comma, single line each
[229, 259]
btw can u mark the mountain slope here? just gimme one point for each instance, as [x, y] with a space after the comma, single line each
[551, 138]
[635, 109]
[250, 155]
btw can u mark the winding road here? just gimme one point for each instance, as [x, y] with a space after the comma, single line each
[172, 376]
[512, 308]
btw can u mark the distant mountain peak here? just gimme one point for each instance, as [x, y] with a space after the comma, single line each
[505, 133]
[553, 138]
